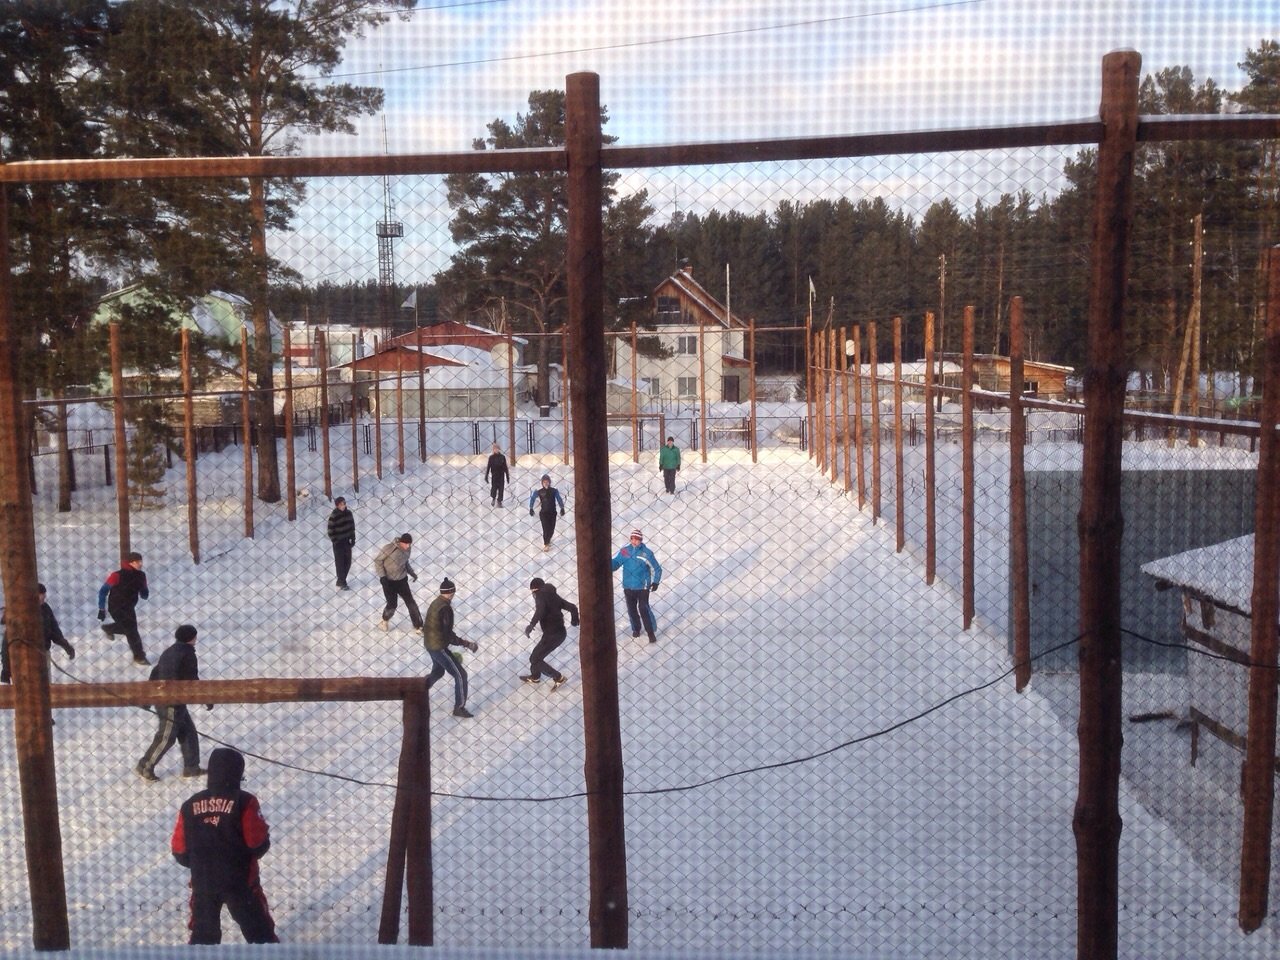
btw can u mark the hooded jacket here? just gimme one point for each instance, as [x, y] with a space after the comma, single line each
[220, 832]
[548, 610]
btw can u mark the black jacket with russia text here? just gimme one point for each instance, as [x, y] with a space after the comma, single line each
[220, 832]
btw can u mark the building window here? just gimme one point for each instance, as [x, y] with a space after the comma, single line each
[667, 310]
[686, 386]
[655, 387]
[687, 345]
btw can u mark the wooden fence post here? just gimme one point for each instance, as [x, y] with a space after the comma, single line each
[355, 427]
[1096, 820]
[322, 354]
[122, 443]
[899, 521]
[875, 422]
[290, 465]
[246, 431]
[189, 442]
[967, 483]
[930, 473]
[1019, 570]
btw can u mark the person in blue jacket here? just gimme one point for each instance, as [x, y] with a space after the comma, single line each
[641, 574]
[548, 498]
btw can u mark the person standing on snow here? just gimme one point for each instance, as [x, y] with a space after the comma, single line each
[548, 498]
[641, 574]
[220, 835]
[179, 662]
[342, 532]
[50, 631]
[497, 474]
[119, 596]
[548, 612]
[437, 636]
[669, 463]
[393, 570]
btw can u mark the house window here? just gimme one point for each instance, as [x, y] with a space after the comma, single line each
[686, 386]
[655, 387]
[667, 310]
[687, 345]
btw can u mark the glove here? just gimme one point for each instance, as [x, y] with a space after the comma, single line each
[528, 631]
[471, 645]
[102, 614]
[413, 575]
[71, 652]
[653, 587]
[573, 622]
[208, 706]
[562, 513]
[531, 511]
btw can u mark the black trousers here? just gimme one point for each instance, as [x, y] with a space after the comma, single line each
[538, 659]
[496, 486]
[342, 560]
[548, 518]
[175, 724]
[638, 611]
[247, 906]
[669, 478]
[125, 620]
[395, 590]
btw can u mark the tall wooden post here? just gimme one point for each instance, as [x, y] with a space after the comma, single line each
[702, 385]
[1019, 564]
[859, 462]
[1260, 740]
[290, 464]
[593, 518]
[635, 398]
[189, 451]
[751, 381]
[511, 399]
[422, 393]
[930, 471]
[899, 498]
[1096, 821]
[844, 408]
[820, 401]
[246, 431]
[967, 482]
[32, 714]
[322, 355]
[355, 425]
[872, 350]
[399, 410]
[833, 417]
[377, 412]
[121, 441]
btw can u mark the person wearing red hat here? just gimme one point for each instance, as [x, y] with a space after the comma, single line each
[641, 574]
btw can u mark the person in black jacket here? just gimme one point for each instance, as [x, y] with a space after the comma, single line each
[548, 498]
[342, 532]
[50, 631]
[177, 663]
[220, 835]
[497, 474]
[548, 612]
[119, 596]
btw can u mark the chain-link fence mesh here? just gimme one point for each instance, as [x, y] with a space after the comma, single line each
[817, 753]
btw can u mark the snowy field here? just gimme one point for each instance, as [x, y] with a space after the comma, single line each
[819, 762]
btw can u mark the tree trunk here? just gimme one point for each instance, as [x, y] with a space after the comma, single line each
[264, 396]
[66, 469]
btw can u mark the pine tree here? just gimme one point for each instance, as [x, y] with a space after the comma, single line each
[146, 455]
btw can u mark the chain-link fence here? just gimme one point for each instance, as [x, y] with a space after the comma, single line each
[825, 746]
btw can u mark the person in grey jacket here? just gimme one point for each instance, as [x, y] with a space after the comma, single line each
[393, 570]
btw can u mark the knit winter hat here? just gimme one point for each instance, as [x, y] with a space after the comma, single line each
[637, 534]
[185, 633]
[446, 585]
[338, 500]
[226, 769]
[537, 583]
[404, 538]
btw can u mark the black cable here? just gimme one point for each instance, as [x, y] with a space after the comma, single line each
[1243, 660]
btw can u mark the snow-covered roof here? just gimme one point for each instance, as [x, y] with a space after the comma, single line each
[1223, 572]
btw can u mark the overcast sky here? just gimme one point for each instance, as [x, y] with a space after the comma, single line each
[677, 70]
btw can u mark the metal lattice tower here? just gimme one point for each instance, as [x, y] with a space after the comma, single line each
[388, 229]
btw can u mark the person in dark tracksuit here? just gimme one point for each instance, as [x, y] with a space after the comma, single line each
[497, 474]
[179, 662]
[641, 574]
[220, 835]
[119, 596]
[341, 529]
[547, 498]
[548, 612]
[437, 636]
[49, 630]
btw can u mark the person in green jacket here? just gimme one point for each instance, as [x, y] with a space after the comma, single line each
[437, 635]
[669, 463]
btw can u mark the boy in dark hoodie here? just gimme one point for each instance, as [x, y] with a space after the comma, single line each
[219, 836]
[179, 662]
[548, 612]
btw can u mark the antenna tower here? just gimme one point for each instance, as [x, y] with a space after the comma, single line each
[388, 229]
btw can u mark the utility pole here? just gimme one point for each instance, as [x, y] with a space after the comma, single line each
[942, 320]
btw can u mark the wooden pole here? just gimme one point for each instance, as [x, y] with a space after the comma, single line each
[875, 423]
[967, 483]
[930, 473]
[400, 409]
[121, 441]
[422, 392]
[603, 767]
[820, 402]
[566, 406]
[899, 498]
[377, 412]
[702, 385]
[418, 872]
[1258, 785]
[290, 464]
[33, 716]
[1096, 820]
[859, 465]
[322, 352]
[1019, 569]
[808, 368]
[635, 399]
[246, 431]
[833, 417]
[511, 396]
[751, 386]
[844, 419]
[189, 451]
[355, 426]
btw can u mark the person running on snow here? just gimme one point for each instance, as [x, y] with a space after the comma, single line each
[49, 630]
[548, 497]
[497, 474]
[548, 612]
[669, 463]
[393, 570]
[641, 574]
[437, 635]
[179, 662]
[342, 532]
[220, 836]
[119, 596]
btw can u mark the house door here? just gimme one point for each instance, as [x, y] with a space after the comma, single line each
[729, 389]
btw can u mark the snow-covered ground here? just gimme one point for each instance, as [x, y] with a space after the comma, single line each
[818, 759]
